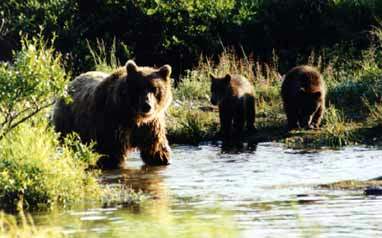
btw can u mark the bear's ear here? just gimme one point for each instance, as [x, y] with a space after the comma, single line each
[227, 78]
[131, 67]
[165, 71]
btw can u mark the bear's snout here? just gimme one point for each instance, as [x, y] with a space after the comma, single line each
[146, 107]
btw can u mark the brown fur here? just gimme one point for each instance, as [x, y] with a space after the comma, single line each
[303, 92]
[234, 95]
[120, 112]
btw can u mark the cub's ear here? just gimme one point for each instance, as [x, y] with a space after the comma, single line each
[212, 77]
[165, 71]
[131, 67]
[227, 78]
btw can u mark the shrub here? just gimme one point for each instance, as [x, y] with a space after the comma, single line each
[36, 171]
[39, 173]
[177, 32]
[29, 85]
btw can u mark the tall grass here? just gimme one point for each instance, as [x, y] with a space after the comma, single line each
[36, 170]
[24, 227]
[350, 83]
[39, 173]
[30, 83]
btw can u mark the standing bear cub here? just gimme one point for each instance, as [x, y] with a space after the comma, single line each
[303, 93]
[234, 95]
[119, 111]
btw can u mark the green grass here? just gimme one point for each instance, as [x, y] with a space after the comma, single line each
[23, 226]
[38, 173]
[353, 114]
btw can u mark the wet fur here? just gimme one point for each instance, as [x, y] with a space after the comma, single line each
[303, 92]
[234, 95]
[107, 109]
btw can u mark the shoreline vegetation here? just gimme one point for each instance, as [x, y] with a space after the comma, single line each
[354, 107]
[45, 44]
[353, 115]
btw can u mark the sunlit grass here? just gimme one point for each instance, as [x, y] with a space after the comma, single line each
[40, 173]
[24, 227]
[349, 84]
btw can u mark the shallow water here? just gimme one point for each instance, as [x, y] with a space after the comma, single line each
[266, 191]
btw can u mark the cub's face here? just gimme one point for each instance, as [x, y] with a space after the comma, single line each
[219, 88]
[149, 90]
[310, 102]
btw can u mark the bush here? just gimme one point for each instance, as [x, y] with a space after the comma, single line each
[39, 173]
[29, 85]
[177, 32]
[35, 170]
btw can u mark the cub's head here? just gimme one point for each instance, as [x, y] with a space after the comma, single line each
[148, 90]
[219, 88]
[310, 101]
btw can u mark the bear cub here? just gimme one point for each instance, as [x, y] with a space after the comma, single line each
[303, 93]
[235, 96]
[120, 111]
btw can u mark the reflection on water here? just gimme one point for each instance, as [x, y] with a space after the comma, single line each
[268, 190]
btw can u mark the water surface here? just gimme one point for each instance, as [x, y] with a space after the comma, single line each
[265, 191]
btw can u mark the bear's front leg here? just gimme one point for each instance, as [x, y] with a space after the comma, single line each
[153, 144]
[226, 118]
[157, 155]
[316, 121]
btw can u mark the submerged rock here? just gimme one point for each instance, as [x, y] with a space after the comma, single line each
[352, 185]
[373, 190]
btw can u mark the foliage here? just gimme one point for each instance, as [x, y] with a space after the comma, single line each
[29, 85]
[37, 174]
[177, 32]
[353, 98]
[188, 124]
[337, 132]
[120, 194]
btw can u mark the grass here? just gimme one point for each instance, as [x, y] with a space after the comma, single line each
[22, 226]
[353, 115]
[38, 173]
[351, 184]
[191, 118]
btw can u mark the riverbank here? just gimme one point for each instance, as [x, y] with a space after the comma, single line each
[353, 114]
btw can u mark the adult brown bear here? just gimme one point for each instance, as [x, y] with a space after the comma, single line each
[303, 92]
[119, 111]
[234, 95]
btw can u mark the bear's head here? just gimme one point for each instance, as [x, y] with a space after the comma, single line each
[219, 88]
[148, 90]
[311, 94]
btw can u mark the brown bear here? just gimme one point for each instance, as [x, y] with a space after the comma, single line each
[119, 111]
[303, 92]
[235, 96]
